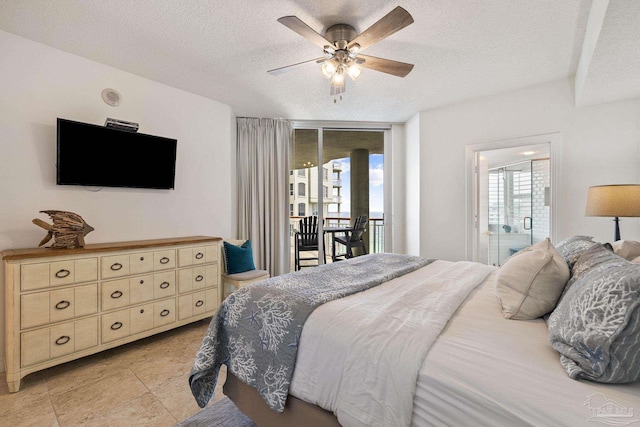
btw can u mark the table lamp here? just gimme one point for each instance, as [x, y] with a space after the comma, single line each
[621, 200]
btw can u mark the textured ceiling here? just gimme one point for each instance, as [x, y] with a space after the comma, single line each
[222, 50]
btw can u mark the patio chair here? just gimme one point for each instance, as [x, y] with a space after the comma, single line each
[354, 239]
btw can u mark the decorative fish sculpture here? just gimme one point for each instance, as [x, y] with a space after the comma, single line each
[68, 229]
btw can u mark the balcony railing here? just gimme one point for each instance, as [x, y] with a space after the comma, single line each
[375, 228]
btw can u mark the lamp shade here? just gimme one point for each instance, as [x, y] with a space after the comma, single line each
[614, 200]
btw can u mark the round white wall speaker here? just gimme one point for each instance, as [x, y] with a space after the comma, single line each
[111, 97]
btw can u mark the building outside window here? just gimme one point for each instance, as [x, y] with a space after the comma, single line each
[291, 189]
[301, 209]
[301, 189]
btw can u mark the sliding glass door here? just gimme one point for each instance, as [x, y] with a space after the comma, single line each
[337, 175]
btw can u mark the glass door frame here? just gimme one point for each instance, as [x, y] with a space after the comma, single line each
[320, 127]
[472, 154]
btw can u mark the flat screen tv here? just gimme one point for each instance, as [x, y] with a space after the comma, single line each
[99, 156]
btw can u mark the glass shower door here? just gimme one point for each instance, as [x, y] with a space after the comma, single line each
[510, 211]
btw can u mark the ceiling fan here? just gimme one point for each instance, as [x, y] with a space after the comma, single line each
[342, 47]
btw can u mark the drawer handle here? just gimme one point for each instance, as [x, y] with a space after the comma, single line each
[116, 326]
[117, 266]
[164, 260]
[116, 294]
[63, 340]
[141, 258]
[164, 285]
[141, 310]
[199, 278]
[61, 274]
[199, 255]
[142, 282]
[199, 303]
[164, 313]
[62, 305]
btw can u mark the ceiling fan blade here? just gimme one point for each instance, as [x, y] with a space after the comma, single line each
[388, 66]
[281, 70]
[294, 23]
[393, 21]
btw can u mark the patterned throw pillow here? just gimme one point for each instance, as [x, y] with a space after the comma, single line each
[596, 324]
[572, 247]
[597, 258]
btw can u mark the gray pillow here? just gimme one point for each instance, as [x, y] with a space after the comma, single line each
[597, 258]
[572, 247]
[596, 325]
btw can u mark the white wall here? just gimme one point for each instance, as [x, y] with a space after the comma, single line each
[39, 84]
[397, 191]
[599, 145]
[412, 182]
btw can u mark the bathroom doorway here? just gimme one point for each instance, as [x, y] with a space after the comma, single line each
[511, 197]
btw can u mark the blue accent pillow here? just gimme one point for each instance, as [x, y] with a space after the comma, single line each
[238, 259]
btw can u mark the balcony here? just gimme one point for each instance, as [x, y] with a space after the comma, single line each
[375, 228]
[337, 166]
[337, 183]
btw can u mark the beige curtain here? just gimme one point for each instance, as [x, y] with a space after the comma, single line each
[263, 196]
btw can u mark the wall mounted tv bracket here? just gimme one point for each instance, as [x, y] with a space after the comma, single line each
[121, 125]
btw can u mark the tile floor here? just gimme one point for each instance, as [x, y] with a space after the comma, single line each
[144, 383]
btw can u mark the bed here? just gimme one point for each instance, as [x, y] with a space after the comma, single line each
[381, 357]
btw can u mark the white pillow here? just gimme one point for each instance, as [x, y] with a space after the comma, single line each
[627, 249]
[529, 284]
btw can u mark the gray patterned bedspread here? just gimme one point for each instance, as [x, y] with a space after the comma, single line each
[256, 329]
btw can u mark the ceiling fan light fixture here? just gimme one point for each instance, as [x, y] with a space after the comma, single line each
[328, 69]
[329, 51]
[353, 51]
[354, 70]
[338, 78]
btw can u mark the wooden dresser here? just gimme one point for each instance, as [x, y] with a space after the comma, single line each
[62, 304]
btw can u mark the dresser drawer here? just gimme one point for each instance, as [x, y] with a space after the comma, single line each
[115, 325]
[190, 279]
[121, 324]
[164, 260]
[56, 341]
[59, 273]
[164, 312]
[197, 255]
[54, 306]
[164, 284]
[191, 305]
[114, 294]
[114, 266]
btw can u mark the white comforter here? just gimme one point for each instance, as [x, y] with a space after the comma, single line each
[366, 373]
